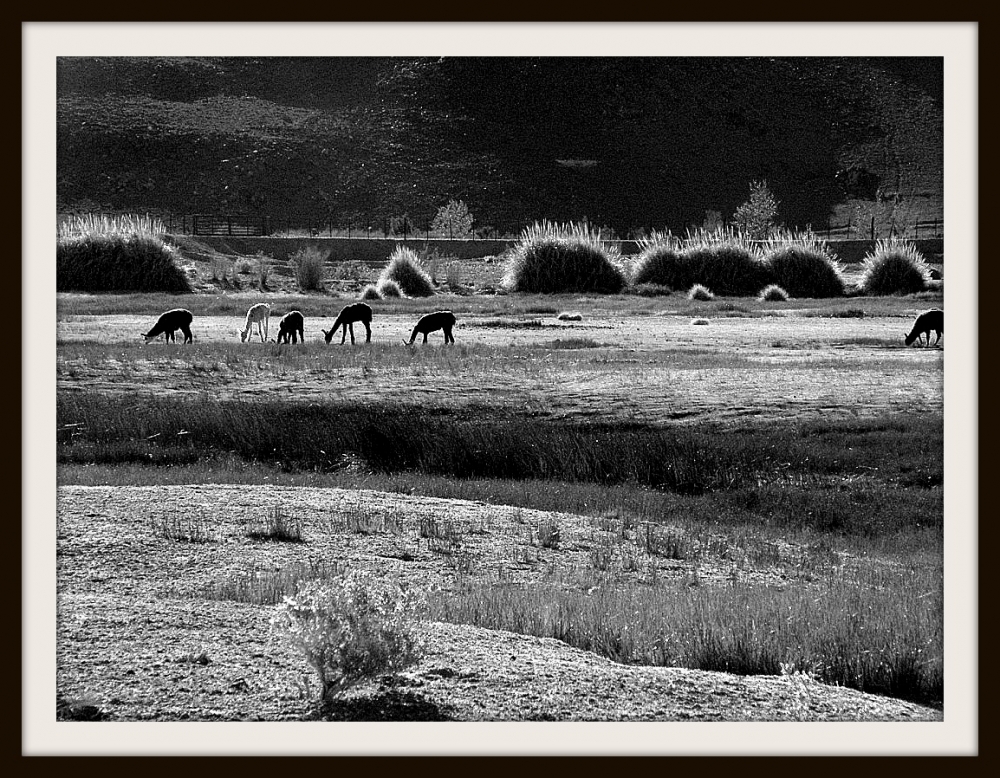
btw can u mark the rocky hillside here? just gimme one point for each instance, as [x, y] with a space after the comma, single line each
[626, 142]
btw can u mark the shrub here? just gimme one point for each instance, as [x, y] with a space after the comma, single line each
[387, 288]
[405, 269]
[117, 262]
[773, 293]
[895, 267]
[371, 293]
[263, 270]
[699, 292]
[755, 218]
[453, 220]
[308, 264]
[804, 268]
[351, 627]
[551, 258]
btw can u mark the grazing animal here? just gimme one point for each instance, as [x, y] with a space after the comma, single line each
[259, 314]
[432, 322]
[927, 321]
[290, 325]
[350, 314]
[169, 322]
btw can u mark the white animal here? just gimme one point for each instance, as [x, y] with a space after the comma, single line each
[259, 314]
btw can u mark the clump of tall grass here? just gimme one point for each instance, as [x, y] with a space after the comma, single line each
[551, 258]
[895, 267]
[111, 224]
[881, 634]
[370, 293]
[724, 261]
[773, 293]
[699, 292]
[407, 272]
[350, 628]
[804, 267]
[88, 260]
[663, 265]
[388, 288]
[308, 264]
[277, 525]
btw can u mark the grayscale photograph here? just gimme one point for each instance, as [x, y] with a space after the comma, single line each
[500, 388]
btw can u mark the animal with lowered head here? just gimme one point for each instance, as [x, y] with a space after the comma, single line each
[290, 325]
[348, 315]
[259, 314]
[925, 322]
[169, 322]
[432, 322]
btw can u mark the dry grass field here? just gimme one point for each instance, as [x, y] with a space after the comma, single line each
[809, 435]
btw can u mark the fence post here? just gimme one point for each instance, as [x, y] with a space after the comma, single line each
[873, 228]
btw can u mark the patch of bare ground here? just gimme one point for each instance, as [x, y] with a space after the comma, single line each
[145, 632]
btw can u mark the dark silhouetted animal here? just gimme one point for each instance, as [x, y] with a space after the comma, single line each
[350, 314]
[169, 322]
[432, 322]
[259, 314]
[927, 321]
[291, 324]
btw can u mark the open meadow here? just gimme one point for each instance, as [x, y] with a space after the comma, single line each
[652, 509]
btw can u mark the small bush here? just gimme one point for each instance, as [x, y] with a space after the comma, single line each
[699, 292]
[308, 264]
[371, 293]
[405, 269]
[805, 269]
[756, 217]
[570, 316]
[263, 270]
[773, 293]
[895, 267]
[139, 262]
[553, 258]
[387, 288]
[350, 628]
[453, 220]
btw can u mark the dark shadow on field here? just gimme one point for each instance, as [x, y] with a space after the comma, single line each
[392, 705]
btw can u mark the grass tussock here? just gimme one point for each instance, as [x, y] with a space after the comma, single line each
[724, 260]
[118, 262]
[700, 293]
[370, 292]
[895, 267]
[554, 258]
[804, 267]
[773, 293]
[407, 272]
[388, 289]
[308, 265]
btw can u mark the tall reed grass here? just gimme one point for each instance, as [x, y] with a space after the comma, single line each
[881, 634]
[551, 258]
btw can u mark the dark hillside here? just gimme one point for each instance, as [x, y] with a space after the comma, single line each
[627, 142]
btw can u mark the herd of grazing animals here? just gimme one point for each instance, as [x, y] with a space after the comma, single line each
[292, 324]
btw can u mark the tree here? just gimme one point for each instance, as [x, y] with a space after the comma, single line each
[755, 218]
[453, 220]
